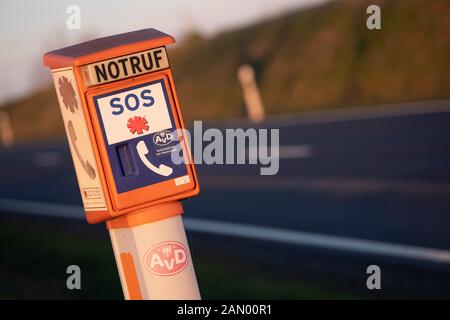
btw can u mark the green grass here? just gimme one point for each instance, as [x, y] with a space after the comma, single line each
[34, 255]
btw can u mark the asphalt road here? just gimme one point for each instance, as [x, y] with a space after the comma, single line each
[376, 174]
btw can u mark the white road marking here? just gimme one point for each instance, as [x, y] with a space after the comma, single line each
[285, 152]
[295, 152]
[300, 238]
[41, 208]
[47, 159]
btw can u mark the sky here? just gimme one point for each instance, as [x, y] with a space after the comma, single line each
[30, 28]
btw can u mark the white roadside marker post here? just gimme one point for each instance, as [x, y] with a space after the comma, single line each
[252, 96]
[6, 131]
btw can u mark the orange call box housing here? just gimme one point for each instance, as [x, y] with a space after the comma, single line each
[122, 118]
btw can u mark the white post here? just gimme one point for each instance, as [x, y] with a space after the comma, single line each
[6, 132]
[252, 97]
[154, 261]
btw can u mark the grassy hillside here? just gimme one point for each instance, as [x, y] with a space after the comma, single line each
[37, 117]
[322, 57]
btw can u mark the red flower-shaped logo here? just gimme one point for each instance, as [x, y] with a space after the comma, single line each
[137, 125]
[68, 94]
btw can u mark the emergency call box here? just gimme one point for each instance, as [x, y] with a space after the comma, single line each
[122, 119]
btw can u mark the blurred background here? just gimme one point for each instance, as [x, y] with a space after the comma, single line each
[364, 119]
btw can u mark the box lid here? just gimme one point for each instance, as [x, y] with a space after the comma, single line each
[106, 48]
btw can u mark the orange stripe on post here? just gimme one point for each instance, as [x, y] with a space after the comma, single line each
[129, 270]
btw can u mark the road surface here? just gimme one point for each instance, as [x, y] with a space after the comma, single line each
[370, 186]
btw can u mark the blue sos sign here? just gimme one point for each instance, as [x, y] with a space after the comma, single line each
[132, 102]
[137, 124]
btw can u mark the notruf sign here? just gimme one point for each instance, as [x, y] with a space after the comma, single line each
[125, 66]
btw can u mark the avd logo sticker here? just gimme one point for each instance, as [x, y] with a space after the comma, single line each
[163, 138]
[166, 258]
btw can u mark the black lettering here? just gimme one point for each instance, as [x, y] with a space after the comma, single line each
[150, 61]
[135, 68]
[116, 67]
[124, 66]
[157, 55]
[101, 73]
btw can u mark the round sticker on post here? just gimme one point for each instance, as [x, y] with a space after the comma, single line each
[166, 258]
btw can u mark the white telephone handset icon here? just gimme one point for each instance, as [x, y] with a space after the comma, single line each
[162, 170]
